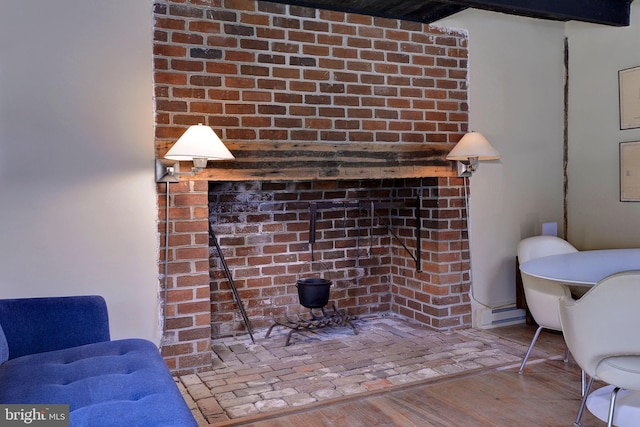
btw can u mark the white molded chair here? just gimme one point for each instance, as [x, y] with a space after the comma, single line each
[602, 330]
[542, 295]
[540, 246]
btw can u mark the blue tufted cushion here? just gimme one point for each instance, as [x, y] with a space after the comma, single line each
[113, 383]
[4, 347]
[35, 325]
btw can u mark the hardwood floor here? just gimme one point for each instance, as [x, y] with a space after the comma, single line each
[547, 394]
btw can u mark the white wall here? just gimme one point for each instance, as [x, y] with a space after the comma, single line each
[516, 85]
[596, 217]
[78, 208]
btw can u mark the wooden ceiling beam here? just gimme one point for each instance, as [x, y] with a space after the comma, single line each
[606, 12]
[425, 11]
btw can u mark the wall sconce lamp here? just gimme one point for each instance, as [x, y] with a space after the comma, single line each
[199, 144]
[471, 148]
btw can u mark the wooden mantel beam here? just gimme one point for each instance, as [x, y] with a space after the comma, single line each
[278, 161]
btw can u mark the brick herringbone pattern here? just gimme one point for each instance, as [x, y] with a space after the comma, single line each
[248, 379]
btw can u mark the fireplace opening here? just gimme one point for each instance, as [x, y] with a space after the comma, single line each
[367, 240]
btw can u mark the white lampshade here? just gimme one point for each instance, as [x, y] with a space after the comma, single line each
[199, 142]
[473, 144]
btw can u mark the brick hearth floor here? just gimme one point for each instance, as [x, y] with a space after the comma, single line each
[249, 379]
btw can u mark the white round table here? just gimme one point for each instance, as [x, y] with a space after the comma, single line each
[627, 413]
[583, 268]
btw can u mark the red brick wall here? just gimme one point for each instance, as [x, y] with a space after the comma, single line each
[186, 344]
[264, 72]
[258, 71]
[439, 295]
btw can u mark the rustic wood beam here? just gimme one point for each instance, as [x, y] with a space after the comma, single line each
[323, 161]
[408, 10]
[607, 12]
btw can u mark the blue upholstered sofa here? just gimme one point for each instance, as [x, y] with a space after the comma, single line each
[58, 351]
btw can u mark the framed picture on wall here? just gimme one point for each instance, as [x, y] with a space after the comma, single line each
[630, 171]
[629, 84]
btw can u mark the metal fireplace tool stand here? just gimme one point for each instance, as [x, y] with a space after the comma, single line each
[232, 284]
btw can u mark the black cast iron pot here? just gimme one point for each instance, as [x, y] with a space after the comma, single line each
[313, 292]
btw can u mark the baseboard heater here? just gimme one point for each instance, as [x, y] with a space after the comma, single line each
[503, 316]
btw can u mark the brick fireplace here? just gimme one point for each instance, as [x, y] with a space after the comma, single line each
[316, 106]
